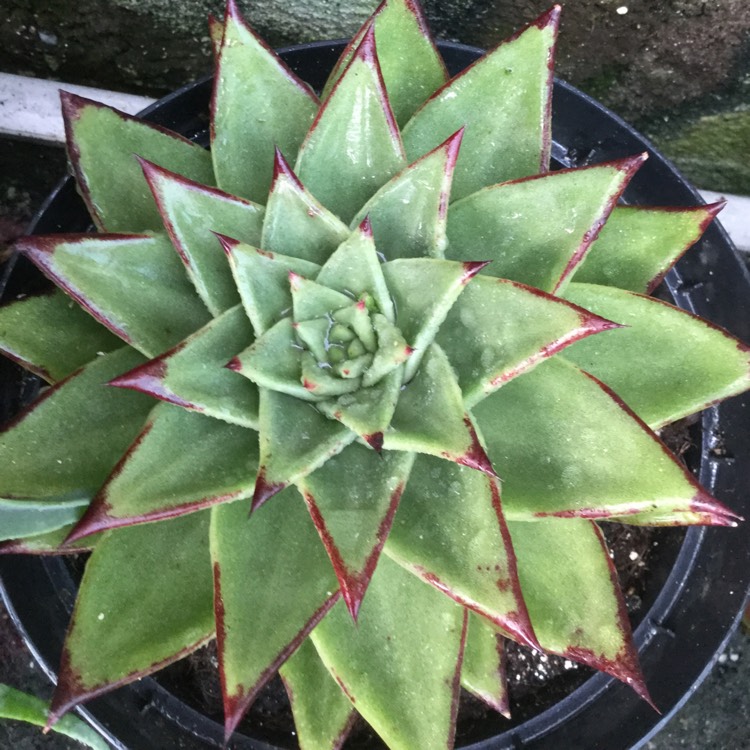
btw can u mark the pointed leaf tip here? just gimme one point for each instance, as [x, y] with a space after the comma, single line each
[475, 457]
[472, 268]
[365, 227]
[281, 168]
[234, 364]
[550, 18]
[227, 243]
[264, 490]
[714, 512]
[375, 441]
[367, 51]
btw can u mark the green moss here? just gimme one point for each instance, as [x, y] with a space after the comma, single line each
[714, 152]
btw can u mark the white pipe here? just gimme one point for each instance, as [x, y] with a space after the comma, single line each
[30, 107]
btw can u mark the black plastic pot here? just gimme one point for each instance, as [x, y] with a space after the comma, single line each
[690, 617]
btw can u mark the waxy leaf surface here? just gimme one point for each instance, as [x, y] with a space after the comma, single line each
[263, 282]
[194, 374]
[683, 363]
[65, 339]
[451, 532]
[29, 517]
[323, 715]
[637, 246]
[565, 446]
[295, 439]
[354, 145]
[106, 273]
[102, 146]
[536, 230]
[400, 25]
[498, 329]
[274, 361]
[180, 463]
[503, 101]
[409, 213]
[483, 668]
[570, 557]
[430, 416]
[258, 105]
[167, 582]
[271, 577]
[419, 315]
[295, 222]
[65, 444]
[355, 269]
[400, 663]
[352, 499]
[192, 214]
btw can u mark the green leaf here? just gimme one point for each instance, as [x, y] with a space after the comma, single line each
[29, 517]
[51, 543]
[498, 329]
[23, 707]
[400, 29]
[312, 300]
[503, 101]
[684, 363]
[430, 416]
[297, 224]
[65, 337]
[271, 576]
[423, 291]
[193, 214]
[450, 531]
[65, 444]
[537, 230]
[102, 144]
[369, 411]
[181, 462]
[274, 361]
[570, 558]
[380, 661]
[483, 669]
[352, 499]
[355, 269]
[409, 213]
[194, 374]
[104, 274]
[354, 146]
[263, 281]
[258, 105]
[295, 439]
[125, 626]
[323, 715]
[566, 446]
[637, 246]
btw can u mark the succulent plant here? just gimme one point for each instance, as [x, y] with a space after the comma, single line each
[355, 417]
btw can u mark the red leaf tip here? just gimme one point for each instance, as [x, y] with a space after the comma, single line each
[472, 268]
[227, 243]
[264, 490]
[281, 168]
[367, 50]
[234, 364]
[365, 228]
[375, 441]
[713, 512]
